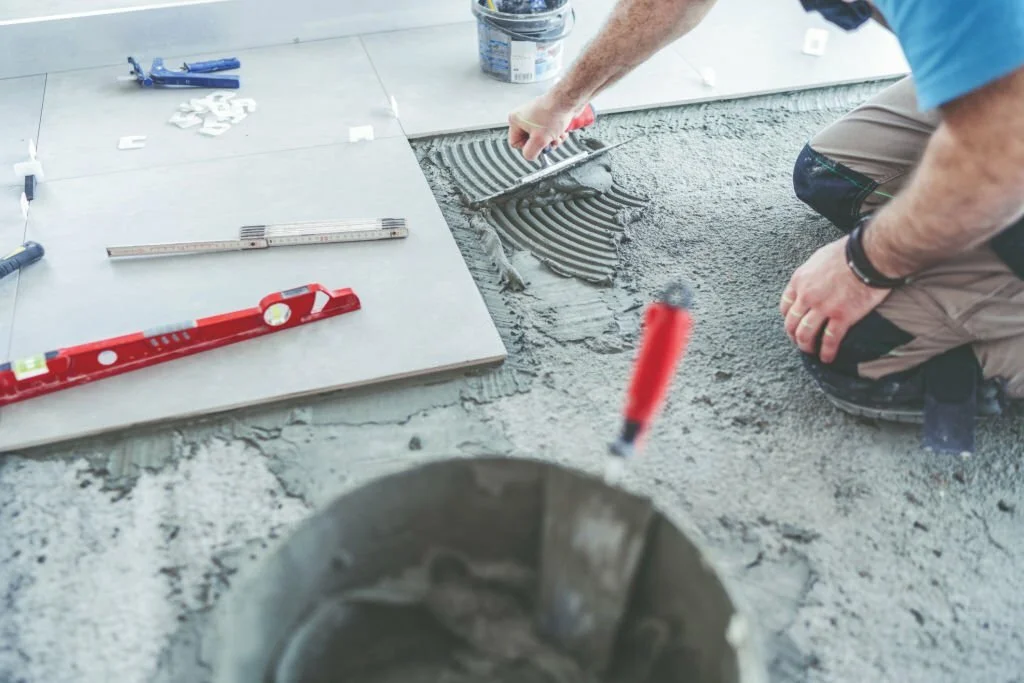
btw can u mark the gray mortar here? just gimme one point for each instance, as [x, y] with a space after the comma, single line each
[572, 221]
[866, 558]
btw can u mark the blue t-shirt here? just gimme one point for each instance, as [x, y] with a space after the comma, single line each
[953, 46]
[956, 46]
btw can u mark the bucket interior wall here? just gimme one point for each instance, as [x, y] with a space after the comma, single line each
[489, 510]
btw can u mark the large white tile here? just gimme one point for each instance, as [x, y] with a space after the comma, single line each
[307, 94]
[756, 47]
[35, 9]
[91, 33]
[21, 100]
[12, 235]
[422, 311]
[435, 75]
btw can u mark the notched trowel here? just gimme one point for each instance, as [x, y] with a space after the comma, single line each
[594, 534]
[545, 173]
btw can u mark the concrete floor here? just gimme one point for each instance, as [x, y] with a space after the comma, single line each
[864, 558]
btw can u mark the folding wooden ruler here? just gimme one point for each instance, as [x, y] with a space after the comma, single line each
[279, 235]
[52, 371]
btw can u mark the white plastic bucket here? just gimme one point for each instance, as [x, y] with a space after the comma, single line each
[522, 48]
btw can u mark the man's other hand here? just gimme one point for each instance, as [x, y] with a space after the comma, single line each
[824, 299]
[534, 126]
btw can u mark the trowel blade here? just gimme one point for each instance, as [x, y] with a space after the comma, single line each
[552, 170]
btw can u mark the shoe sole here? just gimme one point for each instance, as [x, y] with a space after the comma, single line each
[915, 417]
[886, 414]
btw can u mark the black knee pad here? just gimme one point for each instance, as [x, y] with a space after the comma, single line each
[869, 339]
[1009, 246]
[831, 189]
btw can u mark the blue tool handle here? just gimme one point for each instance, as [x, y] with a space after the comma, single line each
[25, 255]
[213, 65]
[201, 81]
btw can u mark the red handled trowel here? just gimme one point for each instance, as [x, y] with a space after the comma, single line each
[551, 168]
[594, 534]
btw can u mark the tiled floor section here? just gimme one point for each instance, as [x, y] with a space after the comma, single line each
[435, 74]
[734, 40]
[306, 95]
[421, 310]
[290, 160]
[28, 9]
[754, 47]
[21, 101]
[12, 233]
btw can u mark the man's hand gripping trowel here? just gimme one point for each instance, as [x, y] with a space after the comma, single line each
[550, 168]
[594, 534]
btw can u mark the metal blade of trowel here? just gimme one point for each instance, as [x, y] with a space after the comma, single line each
[594, 534]
[552, 170]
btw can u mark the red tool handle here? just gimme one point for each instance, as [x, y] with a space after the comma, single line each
[666, 333]
[583, 119]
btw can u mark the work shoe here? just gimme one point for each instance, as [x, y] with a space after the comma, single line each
[896, 398]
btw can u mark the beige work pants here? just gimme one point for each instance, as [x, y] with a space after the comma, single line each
[859, 163]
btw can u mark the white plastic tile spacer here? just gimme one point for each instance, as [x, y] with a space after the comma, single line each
[24, 206]
[394, 107]
[220, 96]
[182, 120]
[215, 128]
[132, 142]
[245, 103]
[357, 133]
[708, 76]
[815, 41]
[23, 169]
[199, 106]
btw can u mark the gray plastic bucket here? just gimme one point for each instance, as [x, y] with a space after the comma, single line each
[523, 48]
[328, 604]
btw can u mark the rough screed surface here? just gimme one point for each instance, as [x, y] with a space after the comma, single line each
[865, 558]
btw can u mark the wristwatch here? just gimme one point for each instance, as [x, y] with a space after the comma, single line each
[857, 260]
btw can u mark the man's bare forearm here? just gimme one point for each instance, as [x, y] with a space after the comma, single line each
[635, 30]
[968, 187]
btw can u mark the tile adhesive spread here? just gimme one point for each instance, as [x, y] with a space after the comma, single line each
[570, 222]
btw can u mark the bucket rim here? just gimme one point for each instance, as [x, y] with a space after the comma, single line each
[480, 9]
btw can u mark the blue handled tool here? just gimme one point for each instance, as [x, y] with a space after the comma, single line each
[192, 75]
[25, 255]
[212, 65]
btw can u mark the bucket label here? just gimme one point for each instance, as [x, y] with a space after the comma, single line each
[524, 61]
[517, 61]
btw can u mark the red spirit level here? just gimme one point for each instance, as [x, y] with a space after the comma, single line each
[55, 370]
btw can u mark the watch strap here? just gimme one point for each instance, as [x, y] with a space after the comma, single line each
[858, 261]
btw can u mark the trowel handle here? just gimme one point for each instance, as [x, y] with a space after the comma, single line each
[582, 120]
[666, 333]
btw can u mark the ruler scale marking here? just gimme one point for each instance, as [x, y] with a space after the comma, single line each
[277, 235]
